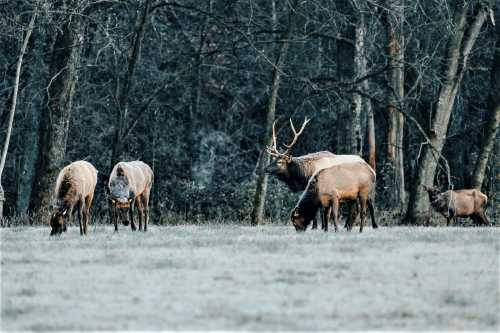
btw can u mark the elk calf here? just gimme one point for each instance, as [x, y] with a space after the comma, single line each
[351, 182]
[75, 186]
[130, 183]
[460, 203]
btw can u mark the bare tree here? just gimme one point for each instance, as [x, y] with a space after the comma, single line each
[13, 106]
[393, 21]
[257, 214]
[457, 55]
[65, 57]
[492, 119]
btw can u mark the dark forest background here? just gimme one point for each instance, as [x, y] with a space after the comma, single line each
[192, 89]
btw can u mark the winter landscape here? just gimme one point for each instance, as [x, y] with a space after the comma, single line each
[232, 277]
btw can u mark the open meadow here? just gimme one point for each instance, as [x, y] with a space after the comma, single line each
[232, 277]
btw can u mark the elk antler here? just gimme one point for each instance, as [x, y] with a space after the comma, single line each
[295, 133]
[273, 150]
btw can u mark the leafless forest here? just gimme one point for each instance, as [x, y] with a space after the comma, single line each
[193, 88]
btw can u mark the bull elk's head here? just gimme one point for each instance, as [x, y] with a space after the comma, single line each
[282, 160]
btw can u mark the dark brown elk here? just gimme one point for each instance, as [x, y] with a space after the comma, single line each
[295, 172]
[350, 182]
[460, 203]
[75, 186]
[130, 184]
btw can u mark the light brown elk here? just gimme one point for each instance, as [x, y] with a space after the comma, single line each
[130, 184]
[459, 203]
[295, 172]
[350, 182]
[75, 187]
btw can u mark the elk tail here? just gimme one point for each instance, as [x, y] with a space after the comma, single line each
[372, 214]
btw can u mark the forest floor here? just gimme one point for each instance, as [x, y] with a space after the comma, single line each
[231, 277]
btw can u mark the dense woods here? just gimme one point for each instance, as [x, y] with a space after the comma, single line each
[192, 88]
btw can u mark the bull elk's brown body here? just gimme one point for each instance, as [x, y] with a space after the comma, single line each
[351, 182]
[130, 183]
[460, 203]
[75, 187]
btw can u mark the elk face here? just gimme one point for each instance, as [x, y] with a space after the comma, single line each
[299, 222]
[279, 167]
[58, 220]
[120, 193]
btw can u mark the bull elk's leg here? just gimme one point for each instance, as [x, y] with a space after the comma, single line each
[131, 215]
[448, 220]
[334, 211]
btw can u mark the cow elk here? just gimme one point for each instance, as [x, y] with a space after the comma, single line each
[460, 203]
[75, 187]
[350, 182]
[130, 184]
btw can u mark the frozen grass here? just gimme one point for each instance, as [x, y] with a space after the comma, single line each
[238, 277]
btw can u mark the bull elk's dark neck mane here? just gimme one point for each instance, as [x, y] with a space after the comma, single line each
[302, 168]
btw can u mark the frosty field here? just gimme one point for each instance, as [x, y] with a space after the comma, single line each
[238, 277]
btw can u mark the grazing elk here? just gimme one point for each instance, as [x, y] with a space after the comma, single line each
[130, 183]
[460, 203]
[75, 187]
[295, 172]
[351, 182]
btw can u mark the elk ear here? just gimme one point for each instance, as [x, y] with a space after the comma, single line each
[295, 212]
[287, 158]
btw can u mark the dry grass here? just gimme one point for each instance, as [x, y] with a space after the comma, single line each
[238, 277]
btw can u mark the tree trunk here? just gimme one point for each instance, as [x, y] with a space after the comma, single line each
[57, 108]
[257, 215]
[492, 118]
[124, 85]
[456, 64]
[394, 18]
[12, 112]
[359, 71]
[346, 50]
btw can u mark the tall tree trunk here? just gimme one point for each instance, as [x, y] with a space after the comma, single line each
[57, 107]
[492, 118]
[257, 215]
[346, 50]
[12, 112]
[456, 64]
[124, 85]
[359, 71]
[394, 18]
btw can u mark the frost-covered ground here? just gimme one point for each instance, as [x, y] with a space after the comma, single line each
[238, 277]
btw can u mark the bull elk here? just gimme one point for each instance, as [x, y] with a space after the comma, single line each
[460, 203]
[75, 186]
[350, 182]
[130, 184]
[295, 172]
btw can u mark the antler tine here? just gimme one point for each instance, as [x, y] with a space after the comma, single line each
[295, 133]
[273, 150]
